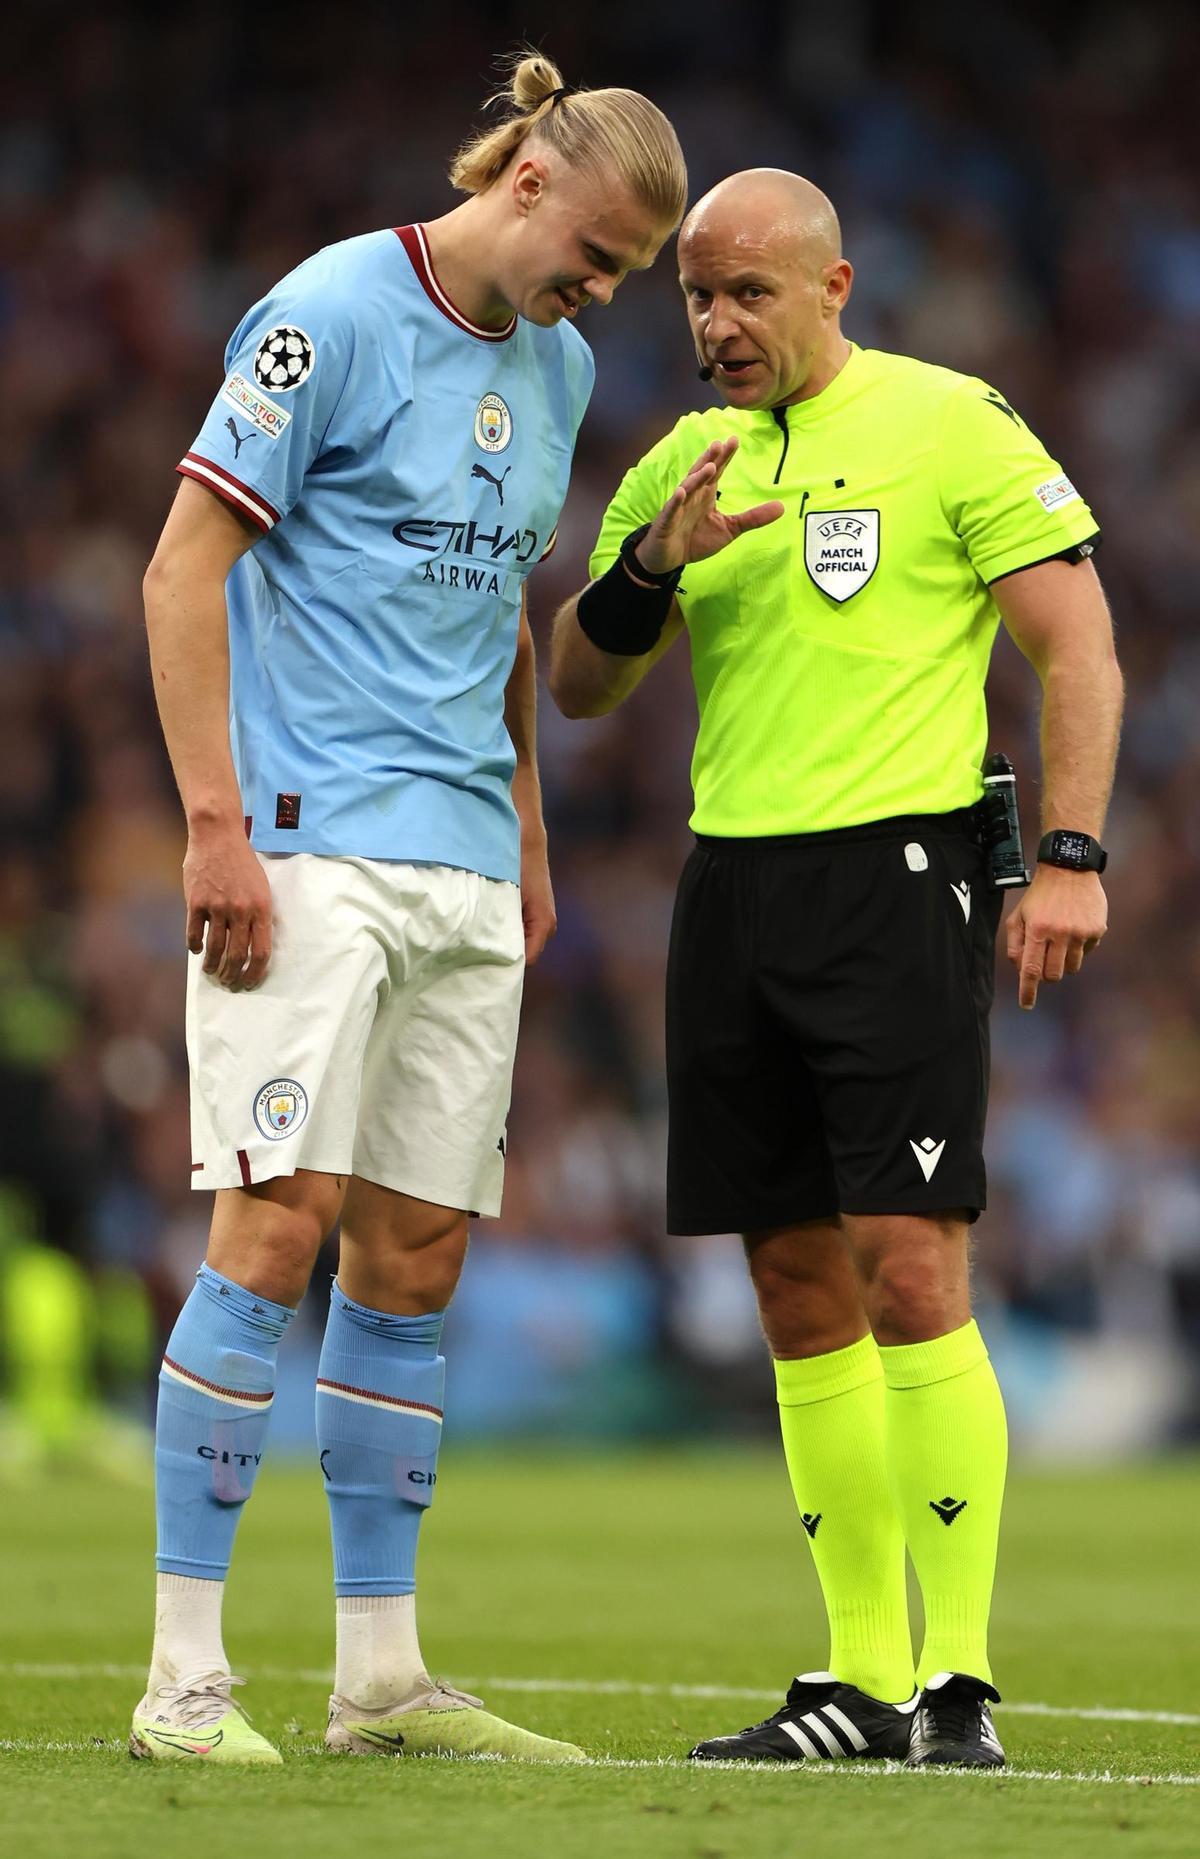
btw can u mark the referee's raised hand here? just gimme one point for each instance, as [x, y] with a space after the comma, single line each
[691, 526]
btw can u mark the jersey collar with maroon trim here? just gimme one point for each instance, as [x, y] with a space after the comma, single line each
[416, 244]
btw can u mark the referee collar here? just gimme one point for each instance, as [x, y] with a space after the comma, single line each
[793, 412]
[798, 413]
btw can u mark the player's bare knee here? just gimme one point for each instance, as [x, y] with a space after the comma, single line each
[434, 1260]
[267, 1237]
[273, 1261]
[398, 1253]
[435, 1287]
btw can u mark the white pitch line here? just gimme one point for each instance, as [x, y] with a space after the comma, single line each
[28, 1745]
[608, 1687]
[862, 1771]
[1101, 1713]
[867, 1771]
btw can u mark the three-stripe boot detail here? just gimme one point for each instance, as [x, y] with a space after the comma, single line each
[823, 1720]
[952, 1724]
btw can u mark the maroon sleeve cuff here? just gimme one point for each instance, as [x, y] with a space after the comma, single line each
[239, 496]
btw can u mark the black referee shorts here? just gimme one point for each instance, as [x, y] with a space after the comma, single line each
[827, 1025]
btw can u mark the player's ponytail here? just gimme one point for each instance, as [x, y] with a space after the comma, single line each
[607, 131]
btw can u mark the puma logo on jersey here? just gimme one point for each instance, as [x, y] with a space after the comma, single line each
[963, 893]
[239, 438]
[481, 471]
[928, 1154]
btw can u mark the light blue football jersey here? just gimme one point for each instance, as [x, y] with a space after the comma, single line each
[407, 470]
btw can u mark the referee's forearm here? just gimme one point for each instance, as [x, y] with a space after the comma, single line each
[584, 681]
[1082, 702]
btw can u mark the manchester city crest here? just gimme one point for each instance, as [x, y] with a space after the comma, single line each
[280, 1108]
[841, 550]
[493, 424]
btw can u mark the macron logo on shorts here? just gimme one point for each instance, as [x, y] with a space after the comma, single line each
[928, 1154]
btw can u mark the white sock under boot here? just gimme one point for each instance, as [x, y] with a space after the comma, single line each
[378, 1656]
[187, 1631]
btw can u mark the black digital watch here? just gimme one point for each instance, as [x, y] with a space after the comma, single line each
[1072, 851]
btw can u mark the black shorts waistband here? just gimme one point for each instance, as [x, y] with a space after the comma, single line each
[962, 823]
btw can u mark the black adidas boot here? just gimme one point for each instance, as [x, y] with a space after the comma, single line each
[953, 1726]
[822, 1721]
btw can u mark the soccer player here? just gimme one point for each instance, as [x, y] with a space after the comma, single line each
[831, 962]
[345, 677]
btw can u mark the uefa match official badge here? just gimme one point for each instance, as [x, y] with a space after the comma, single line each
[493, 424]
[280, 1108]
[841, 550]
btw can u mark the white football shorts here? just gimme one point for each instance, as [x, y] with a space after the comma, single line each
[381, 1041]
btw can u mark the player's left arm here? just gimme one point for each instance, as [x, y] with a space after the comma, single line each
[1058, 616]
[520, 719]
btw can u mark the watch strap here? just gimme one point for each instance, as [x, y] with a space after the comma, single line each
[670, 578]
[1072, 851]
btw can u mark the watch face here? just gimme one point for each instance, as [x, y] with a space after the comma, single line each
[1071, 848]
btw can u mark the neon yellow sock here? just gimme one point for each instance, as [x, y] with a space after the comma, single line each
[831, 1417]
[947, 1451]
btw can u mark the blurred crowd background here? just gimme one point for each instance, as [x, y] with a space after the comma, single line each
[1020, 195]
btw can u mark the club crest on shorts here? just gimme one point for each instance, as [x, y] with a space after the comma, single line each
[280, 1108]
[493, 424]
[841, 550]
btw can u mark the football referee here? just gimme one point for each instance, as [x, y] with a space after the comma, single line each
[831, 962]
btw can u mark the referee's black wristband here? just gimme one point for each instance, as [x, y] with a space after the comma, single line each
[620, 615]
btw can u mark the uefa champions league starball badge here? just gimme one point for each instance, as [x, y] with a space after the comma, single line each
[280, 1108]
[284, 359]
[493, 424]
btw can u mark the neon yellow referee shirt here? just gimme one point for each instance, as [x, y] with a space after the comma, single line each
[839, 654]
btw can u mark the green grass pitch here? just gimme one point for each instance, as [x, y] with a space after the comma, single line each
[596, 1597]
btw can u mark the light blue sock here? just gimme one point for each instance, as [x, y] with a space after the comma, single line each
[379, 1425]
[215, 1390]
